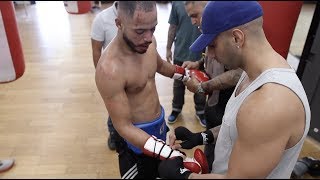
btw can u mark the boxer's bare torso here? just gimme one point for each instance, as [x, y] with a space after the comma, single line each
[125, 74]
[135, 74]
[126, 81]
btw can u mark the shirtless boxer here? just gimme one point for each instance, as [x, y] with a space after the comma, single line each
[125, 78]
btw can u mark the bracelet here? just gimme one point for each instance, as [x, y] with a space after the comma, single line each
[200, 89]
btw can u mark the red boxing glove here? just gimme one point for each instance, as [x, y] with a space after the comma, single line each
[198, 164]
[181, 74]
[192, 165]
[202, 160]
[157, 148]
[199, 75]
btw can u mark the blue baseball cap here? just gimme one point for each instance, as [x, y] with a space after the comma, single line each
[219, 16]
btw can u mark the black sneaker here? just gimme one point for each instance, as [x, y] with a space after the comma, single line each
[111, 142]
[173, 117]
[202, 120]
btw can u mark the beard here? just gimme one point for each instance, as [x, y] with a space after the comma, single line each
[132, 45]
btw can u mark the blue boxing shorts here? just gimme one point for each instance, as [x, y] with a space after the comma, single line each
[157, 128]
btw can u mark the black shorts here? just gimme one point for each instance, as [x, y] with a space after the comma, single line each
[135, 166]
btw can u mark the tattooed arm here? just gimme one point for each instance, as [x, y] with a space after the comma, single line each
[223, 81]
[171, 36]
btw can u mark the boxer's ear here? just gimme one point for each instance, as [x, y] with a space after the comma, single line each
[238, 37]
[118, 23]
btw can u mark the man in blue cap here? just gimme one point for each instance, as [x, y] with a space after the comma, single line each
[267, 117]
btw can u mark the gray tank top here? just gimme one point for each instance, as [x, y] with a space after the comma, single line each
[228, 133]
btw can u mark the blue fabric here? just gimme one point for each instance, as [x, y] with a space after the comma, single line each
[219, 16]
[157, 128]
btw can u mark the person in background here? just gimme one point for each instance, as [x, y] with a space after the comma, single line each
[103, 30]
[222, 82]
[182, 33]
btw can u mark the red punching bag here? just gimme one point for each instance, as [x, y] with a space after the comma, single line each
[11, 54]
[279, 22]
[77, 7]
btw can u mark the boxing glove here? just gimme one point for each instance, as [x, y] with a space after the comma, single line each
[190, 139]
[181, 74]
[201, 158]
[179, 168]
[157, 148]
[198, 164]
[192, 165]
[199, 75]
[173, 169]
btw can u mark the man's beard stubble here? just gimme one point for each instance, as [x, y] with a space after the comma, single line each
[131, 44]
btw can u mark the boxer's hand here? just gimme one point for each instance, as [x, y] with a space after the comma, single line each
[192, 84]
[198, 164]
[181, 74]
[190, 140]
[173, 169]
[157, 148]
[190, 65]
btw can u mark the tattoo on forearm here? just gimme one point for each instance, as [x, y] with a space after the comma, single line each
[225, 80]
[171, 35]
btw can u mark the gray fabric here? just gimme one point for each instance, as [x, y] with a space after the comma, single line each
[228, 132]
[213, 68]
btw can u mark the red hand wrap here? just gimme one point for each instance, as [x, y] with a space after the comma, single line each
[181, 74]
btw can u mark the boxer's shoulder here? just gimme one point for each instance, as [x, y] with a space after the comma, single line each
[270, 109]
[110, 67]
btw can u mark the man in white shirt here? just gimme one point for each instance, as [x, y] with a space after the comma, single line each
[103, 31]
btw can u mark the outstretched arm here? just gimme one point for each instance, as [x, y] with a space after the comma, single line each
[164, 68]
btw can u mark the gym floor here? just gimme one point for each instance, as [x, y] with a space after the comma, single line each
[52, 119]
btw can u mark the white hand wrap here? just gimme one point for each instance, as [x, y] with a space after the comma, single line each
[157, 148]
